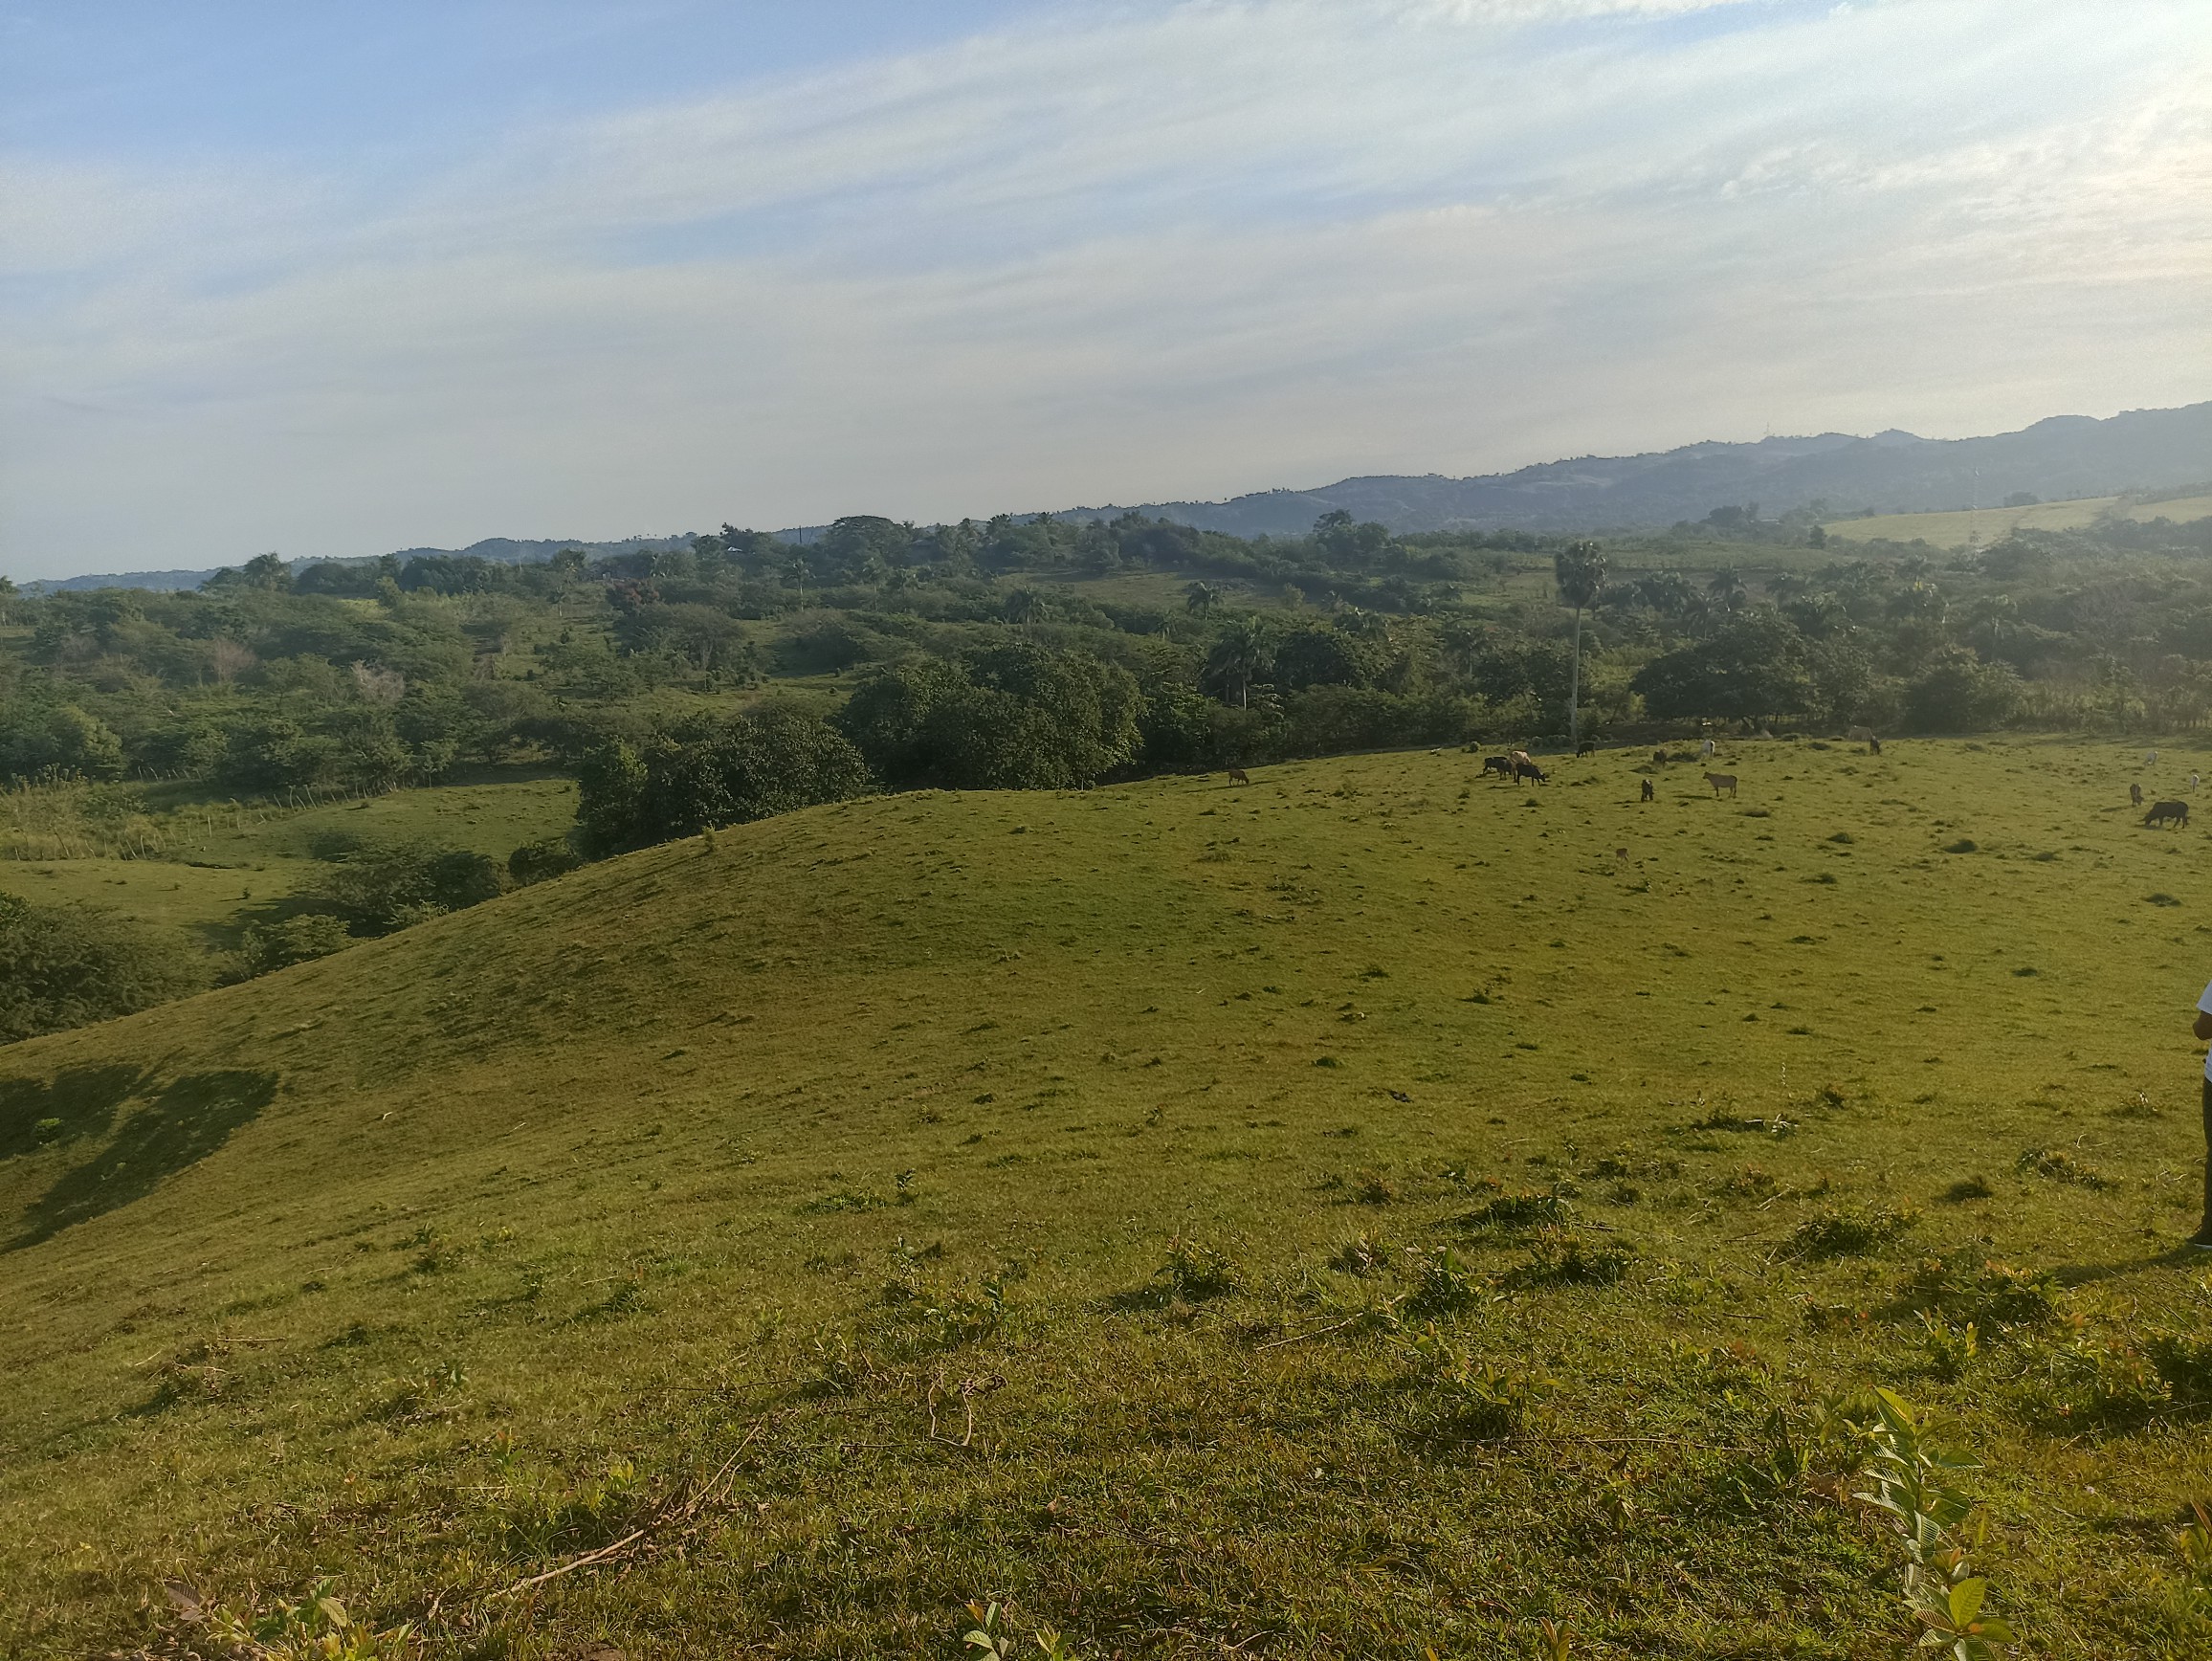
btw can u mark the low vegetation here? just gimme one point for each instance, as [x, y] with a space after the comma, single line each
[922, 1222]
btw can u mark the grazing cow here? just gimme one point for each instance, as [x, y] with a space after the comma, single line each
[1705, 750]
[2192, 784]
[1659, 756]
[2174, 813]
[1873, 746]
[1238, 776]
[1524, 768]
[1650, 794]
[2134, 795]
[1585, 747]
[1721, 782]
[1860, 734]
[2150, 758]
[1620, 853]
[1498, 765]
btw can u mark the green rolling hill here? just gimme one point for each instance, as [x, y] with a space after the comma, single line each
[1375, 1209]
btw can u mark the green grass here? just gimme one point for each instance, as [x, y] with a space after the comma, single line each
[1953, 530]
[1153, 1125]
[217, 865]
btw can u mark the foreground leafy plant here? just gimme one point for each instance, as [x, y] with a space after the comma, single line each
[314, 1629]
[1912, 1489]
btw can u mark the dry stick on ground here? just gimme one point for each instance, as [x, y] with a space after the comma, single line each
[668, 1513]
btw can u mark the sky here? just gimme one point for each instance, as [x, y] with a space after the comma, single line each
[330, 280]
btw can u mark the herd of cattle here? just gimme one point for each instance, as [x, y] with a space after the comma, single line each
[1518, 765]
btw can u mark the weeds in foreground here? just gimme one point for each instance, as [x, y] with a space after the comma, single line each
[314, 1629]
[1848, 1233]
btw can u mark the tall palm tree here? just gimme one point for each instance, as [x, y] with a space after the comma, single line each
[1238, 658]
[1727, 589]
[1578, 571]
[1199, 598]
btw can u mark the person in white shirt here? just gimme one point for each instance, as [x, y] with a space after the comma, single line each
[2203, 1238]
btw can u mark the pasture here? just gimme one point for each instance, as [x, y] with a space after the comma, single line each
[209, 866]
[1955, 530]
[1371, 1209]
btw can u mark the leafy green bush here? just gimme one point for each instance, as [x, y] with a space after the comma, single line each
[383, 886]
[1848, 1233]
[294, 939]
[1012, 717]
[768, 760]
[67, 966]
[542, 861]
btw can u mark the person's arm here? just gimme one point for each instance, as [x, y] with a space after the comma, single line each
[2205, 1023]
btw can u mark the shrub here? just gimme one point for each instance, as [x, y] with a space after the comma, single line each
[383, 886]
[542, 861]
[294, 939]
[1196, 1271]
[2061, 1166]
[1848, 1233]
[693, 778]
[66, 966]
[1442, 1284]
[1561, 1257]
[1512, 1213]
[1010, 716]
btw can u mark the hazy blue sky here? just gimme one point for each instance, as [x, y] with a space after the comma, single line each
[339, 278]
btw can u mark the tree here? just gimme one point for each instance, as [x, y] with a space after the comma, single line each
[1010, 716]
[57, 740]
[704, 774]
[64, 966]
[1726, 590]
[1239, 658]
[1579, 572]
[1959, 693]
[1752, 670]
[383, 886]
[1199, 599]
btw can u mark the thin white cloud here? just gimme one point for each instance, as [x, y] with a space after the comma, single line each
[1177, 251]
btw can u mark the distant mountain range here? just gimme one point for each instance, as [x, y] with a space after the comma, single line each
[2067, 456]
[1893, 472]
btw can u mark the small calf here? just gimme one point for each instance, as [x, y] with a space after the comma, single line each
[2134, 795]
[1650, 794]
[1238, 776]
[2174, 813]
[1721, 782]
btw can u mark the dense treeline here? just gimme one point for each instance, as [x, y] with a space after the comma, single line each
[1046, 654]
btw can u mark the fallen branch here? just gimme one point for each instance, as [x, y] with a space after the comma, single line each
[669, 1512]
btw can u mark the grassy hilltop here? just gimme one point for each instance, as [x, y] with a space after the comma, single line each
[1372, 1208]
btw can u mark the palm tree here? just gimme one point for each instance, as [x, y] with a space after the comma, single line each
[1578, 571]
[1028, 606]
[1199, 598]
[1727, 589]
[1238, 658]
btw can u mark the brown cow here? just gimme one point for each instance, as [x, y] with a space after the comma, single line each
[1721, 782]
[2174, 813]
[1650, 794]
[1238, 776]
[2134, 795]
[1525, 767]
[1498, 765]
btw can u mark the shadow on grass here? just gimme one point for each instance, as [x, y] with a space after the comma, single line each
[2173, 1257]
[188, 1120]
[80, 1101]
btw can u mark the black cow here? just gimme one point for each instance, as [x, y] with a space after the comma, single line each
[1496, 765]
[2174, 813]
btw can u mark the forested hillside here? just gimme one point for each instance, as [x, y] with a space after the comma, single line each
[690, 688]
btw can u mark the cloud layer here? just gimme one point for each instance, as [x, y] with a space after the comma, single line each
[1134, 254]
